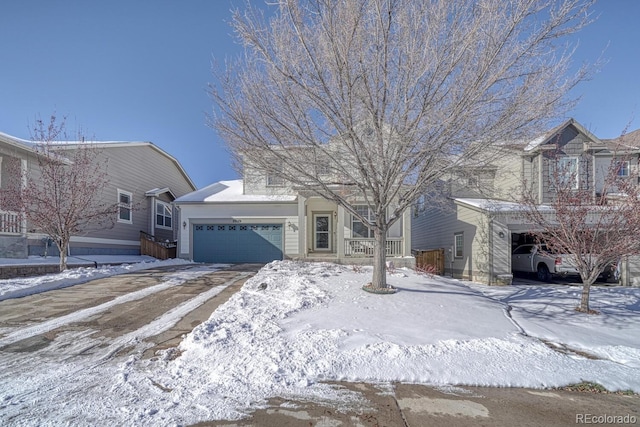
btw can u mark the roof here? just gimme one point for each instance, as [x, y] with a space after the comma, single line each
[230, 191]
[31, 146]
[629, 140]
[545, 137]
[125, 144]
[158, 191]
[492, 205]
[21, 144]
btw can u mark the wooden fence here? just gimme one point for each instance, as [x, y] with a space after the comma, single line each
[160, 250]
[432, 260]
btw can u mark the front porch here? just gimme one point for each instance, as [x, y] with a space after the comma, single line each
[327, 232]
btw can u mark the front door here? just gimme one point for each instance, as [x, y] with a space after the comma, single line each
[322, 232]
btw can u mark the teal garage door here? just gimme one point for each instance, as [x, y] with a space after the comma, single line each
[237, 243]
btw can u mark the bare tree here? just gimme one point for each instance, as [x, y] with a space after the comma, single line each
[596, 227]
[62, 196]
[372, 101]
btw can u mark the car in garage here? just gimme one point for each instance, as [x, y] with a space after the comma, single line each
[538, 259]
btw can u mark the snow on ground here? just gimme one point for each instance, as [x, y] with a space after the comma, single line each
[23, 286]
[295, 325]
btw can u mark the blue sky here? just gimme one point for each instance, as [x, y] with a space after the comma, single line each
[138, 71]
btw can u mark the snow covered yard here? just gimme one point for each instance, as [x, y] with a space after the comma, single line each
[295, 325]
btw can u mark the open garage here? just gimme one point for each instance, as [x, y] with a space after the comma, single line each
[237, 243]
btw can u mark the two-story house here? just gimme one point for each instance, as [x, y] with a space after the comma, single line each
[482, 220]
[141, 178]
[262, 218]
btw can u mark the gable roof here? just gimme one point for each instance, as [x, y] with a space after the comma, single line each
[20, 144]
[158, 191]
[125, 144]
[230, 191]
[629, 141]
[546, 137]
[31, 147]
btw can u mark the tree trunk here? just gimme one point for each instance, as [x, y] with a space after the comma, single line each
[379, 280]
[62, 248]
[584, 299]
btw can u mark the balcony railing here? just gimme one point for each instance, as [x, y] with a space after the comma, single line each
[364, 247]
[10, 222]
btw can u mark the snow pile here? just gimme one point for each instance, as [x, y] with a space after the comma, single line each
[295, 325]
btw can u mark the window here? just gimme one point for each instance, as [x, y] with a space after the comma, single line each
[622, 168]
[323, 169]
[274, 180]
[273, 176]
[124, 206]
[358, 228]
[458, 245]
[567, 173]
[163, 214]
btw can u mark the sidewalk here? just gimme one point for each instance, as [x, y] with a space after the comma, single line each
[408, 405]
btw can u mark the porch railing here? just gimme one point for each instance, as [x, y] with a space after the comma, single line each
[10, 222]
[364, 247]
[150, 246]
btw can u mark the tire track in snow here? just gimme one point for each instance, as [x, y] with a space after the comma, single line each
[175, 279]
[168, 319]
[160, 324]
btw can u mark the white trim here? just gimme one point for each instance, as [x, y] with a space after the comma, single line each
[329, 231]
[565, 172]
[81, 239]
[456, 246]
[626, 168]
[155, 215]
[130, 207]
[370, 214]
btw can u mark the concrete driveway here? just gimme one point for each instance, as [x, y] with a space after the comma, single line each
[116, 307]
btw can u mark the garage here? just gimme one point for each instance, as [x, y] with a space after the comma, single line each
[237, 243]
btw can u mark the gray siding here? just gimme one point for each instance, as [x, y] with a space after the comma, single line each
[570, 143]
[138, 169]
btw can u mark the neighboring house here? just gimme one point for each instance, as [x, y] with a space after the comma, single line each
[482, 220]
[260, 219]
[142, 178]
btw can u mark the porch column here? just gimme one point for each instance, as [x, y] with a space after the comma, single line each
[340, 233]
[406, 232]
[24, 167]
[302, 226]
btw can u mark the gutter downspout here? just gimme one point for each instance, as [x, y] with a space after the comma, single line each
[540, 174]
[491, 270]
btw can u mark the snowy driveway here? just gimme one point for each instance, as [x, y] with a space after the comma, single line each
[79, 328]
